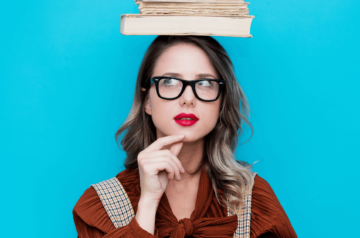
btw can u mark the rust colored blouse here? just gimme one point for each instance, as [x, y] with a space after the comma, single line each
[209, 219]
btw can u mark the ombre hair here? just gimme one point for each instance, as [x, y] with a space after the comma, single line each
[232, 176]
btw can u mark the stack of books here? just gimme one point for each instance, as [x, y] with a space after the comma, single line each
[189, 17]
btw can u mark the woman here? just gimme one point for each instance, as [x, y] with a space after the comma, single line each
[181, 177]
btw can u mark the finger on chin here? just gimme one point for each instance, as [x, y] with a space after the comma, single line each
[176, 148]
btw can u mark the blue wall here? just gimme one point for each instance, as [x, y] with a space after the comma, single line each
[67, 79]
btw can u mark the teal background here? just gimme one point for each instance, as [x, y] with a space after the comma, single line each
[67, 80]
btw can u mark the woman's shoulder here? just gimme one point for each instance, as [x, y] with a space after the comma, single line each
[268, 214]
[89, 208]
[262, 186]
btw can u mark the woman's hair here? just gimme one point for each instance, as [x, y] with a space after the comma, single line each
[232, 176]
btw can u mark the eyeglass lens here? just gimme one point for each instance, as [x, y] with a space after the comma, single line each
[205, 89]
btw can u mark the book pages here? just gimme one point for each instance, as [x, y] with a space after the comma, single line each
[189, 17]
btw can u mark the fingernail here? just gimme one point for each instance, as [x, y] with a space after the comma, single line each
[181, 135]
[183, 170]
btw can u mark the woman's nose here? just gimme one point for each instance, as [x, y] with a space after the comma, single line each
[188, 96]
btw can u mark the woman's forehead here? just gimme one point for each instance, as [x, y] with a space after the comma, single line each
[184, 60]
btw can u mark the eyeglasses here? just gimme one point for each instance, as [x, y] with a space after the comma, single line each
[170, 88]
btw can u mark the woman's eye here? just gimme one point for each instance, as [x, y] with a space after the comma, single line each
[168, 81]
[205, 83]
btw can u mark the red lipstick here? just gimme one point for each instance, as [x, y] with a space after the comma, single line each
[184, 119]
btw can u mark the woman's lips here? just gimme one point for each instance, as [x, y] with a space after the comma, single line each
[184, 119]
[185, 122]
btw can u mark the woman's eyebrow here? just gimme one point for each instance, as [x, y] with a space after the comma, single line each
[205, 75]
[173, 75]
[180, 75]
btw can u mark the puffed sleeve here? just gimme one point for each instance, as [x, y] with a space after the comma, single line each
[92, 221]
[268, 218]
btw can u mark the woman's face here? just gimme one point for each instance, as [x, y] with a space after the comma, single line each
[189, 62]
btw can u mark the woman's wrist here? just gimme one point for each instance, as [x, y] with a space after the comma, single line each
[148, 204]
[145, 215]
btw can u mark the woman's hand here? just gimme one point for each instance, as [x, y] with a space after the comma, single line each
[157, 166]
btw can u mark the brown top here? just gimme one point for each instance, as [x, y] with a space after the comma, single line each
[209, 219]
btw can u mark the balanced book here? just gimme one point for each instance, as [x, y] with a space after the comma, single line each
[188, 17]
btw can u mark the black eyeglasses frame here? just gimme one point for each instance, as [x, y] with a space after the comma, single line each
[192, 83]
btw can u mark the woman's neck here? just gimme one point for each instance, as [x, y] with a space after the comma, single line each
[191, 157]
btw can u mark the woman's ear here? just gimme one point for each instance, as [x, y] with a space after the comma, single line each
[147, 105]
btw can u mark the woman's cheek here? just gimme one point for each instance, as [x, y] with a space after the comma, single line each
[162, 119]
[209, 125]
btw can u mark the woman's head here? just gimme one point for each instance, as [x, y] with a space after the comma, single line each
[185, 61]
[220, 122]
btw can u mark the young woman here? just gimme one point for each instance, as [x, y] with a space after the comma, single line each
[181, 177]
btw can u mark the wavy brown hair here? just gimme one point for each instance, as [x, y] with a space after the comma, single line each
[232, 176]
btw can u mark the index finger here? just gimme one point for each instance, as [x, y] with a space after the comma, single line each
[163, 141]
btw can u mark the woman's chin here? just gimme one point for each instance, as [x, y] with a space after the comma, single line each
[191, 138]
